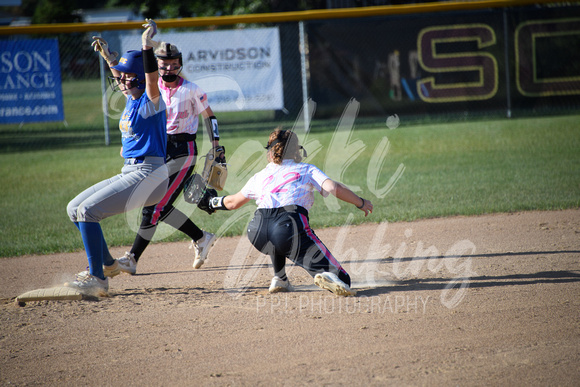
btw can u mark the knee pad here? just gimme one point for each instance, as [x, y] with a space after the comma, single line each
[147, 219]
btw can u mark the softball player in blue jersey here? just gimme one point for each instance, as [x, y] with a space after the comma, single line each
[284, 193]
[143, 178]
[186, 103]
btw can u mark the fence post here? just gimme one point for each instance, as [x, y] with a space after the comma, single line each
[303, 74]
[105, 101]
[507, 64]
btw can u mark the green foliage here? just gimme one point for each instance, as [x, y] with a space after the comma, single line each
[192, 8]
[55, 11]
[47, 11]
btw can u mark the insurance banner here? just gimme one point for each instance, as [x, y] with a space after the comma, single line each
[30, 83]
[238, 69]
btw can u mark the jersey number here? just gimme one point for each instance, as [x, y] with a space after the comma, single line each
[290, 177]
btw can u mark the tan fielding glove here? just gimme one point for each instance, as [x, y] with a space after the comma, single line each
[215, 171]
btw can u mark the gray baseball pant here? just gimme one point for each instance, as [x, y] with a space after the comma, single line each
[138, 185]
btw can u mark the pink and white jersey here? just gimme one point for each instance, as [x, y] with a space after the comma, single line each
[184, 104]
[283, 185]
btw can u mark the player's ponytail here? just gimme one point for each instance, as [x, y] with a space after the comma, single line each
[283, 144]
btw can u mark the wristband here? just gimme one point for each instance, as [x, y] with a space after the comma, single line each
[218, 203]
[362, 205]
[211, 126]
[149, 61]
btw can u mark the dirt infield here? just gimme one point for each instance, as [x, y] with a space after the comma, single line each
[488, 300]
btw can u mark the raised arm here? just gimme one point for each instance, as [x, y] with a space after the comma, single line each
[101, 46]
[343, 193]
[150, 62]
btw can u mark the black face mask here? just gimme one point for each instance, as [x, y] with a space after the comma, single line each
[169, 78]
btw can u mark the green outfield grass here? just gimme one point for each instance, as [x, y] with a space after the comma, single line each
[447, 169]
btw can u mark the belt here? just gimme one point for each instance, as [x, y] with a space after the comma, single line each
[135, 160]
[181, 137]
[291, 208]
[295, 208]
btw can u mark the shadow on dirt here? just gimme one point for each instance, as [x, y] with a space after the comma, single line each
[543, 277]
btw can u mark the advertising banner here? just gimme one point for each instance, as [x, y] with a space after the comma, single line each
[459, 62]
[238, 69]
[30, 83]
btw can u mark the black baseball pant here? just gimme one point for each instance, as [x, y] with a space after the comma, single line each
[285, 233]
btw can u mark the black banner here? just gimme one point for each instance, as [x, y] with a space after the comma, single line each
[448, 63]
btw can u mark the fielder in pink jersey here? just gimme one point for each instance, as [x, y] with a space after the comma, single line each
[186, 102]
[284, 193]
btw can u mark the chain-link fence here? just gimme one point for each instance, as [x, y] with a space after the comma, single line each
[493, 62]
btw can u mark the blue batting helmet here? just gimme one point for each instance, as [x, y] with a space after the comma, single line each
[132, 62]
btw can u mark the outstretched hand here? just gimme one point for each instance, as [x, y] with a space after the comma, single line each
[367, 207]
[150, 31]
[101, 46]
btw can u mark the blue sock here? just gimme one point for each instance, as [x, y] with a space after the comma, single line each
[92, 235]
[107, 257]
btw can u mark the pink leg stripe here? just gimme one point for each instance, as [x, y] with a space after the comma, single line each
[173, 187]
[319, 243]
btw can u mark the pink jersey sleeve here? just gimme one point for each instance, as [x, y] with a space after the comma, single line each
[317, 177]
[200, 100]
[249, 188]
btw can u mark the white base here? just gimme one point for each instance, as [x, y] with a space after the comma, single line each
[56, 293]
